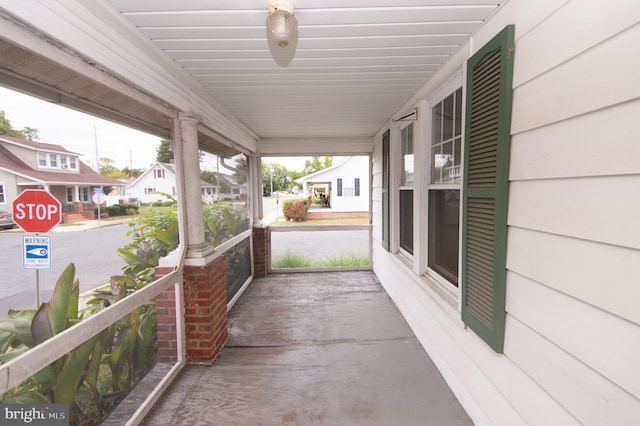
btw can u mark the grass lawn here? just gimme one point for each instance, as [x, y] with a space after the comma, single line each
[320, 222]
[148, 210]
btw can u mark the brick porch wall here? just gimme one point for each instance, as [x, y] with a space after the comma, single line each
[261, 247]
[205, 294]
[315, 214]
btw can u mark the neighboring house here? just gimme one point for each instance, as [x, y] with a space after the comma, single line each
[346, 185]
[26, 164]
[160, 178]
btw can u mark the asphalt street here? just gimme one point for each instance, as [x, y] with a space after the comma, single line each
[93, 251]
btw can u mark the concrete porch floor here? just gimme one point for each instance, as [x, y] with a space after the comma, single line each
[314, 349]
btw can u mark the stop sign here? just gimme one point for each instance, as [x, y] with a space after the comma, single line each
[35, 210]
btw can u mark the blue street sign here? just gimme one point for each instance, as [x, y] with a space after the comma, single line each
[98, 190]
[36, 250]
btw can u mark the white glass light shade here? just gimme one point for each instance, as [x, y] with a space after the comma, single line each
[282, 26]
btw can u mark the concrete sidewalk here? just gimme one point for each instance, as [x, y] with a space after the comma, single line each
[314, 349]
[79, 226]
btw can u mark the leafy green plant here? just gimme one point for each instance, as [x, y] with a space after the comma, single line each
[291, 259]
[60, 381]
[347, 259]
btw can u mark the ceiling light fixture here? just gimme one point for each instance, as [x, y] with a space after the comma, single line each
[282, 26]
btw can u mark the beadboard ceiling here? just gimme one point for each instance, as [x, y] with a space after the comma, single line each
[353, 66]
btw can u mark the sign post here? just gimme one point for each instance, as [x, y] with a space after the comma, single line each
[36, 211]
[36, 254]
[98, 198]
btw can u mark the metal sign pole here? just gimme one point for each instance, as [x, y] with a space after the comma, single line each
[37, 288]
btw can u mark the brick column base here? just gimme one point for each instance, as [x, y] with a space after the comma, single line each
[205, 298]
[205, 294]
[261, 251]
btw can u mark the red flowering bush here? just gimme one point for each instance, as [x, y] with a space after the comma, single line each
[295, 210]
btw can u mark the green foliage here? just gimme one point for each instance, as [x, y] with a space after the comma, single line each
[275, 176]
[315, 164]
[296, 210]
[119, 210]
[223, 222]
[8, 130]
[164, 152]
[291, 260]
[297, 260]
[347, 259]
[128, 347]
[108, 168]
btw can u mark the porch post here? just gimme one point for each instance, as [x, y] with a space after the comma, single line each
[192, 191]
[255, 174]
[261, 237]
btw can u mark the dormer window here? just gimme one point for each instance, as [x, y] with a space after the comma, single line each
[49, 160]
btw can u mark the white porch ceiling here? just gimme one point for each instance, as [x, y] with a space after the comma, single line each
[354, 65]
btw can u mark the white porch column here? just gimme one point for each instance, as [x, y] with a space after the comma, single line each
[255, 174]
[190, 164]
[76, 193]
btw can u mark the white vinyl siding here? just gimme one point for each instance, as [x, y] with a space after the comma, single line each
[572, 329]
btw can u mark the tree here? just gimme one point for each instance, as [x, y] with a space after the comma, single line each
[241, 164]
[315, 164]
[30, 133]
[6, 128]
[212, 178]
[132, 173]
[165, 151]
[108, 168]
[276, 175]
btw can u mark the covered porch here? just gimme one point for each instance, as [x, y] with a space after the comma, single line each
[313, 349]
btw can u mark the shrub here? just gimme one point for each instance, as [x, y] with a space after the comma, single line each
[118, 210]
[296, 210]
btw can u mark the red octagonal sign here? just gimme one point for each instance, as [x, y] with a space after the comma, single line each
[35, 210]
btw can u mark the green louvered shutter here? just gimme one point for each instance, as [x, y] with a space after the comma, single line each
[385, 189]
[486, 157]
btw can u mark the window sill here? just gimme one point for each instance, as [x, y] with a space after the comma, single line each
[448, 299]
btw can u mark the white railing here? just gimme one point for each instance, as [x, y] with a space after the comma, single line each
[26, 365]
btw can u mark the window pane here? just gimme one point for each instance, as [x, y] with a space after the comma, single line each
[444, 224]
[436, 163]
[458, 116]
[407, 165]
[436, 125]
[406, 220]
[447, 119]
[447, 162]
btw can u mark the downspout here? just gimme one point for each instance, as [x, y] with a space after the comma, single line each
[235, 169]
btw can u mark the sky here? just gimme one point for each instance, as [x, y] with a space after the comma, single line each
[80, 133]
[75, 131]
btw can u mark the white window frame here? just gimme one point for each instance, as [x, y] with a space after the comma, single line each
[399, 187]
[446, 90]
[85, 195]
[3, 194]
